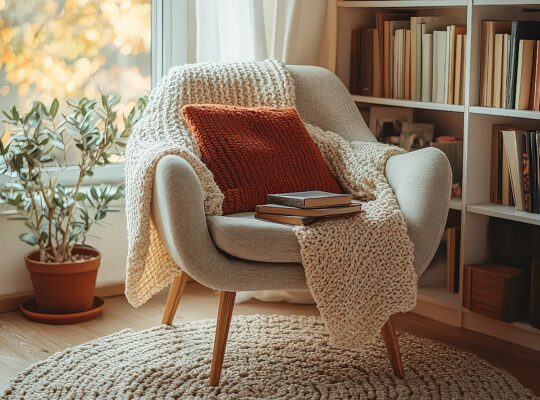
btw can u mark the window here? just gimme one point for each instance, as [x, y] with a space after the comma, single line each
[74, 48]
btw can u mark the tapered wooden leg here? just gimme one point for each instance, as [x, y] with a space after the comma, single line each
[226, 306]
[175, 294]
[392, 348]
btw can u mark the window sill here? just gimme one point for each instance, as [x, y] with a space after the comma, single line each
[112, 174]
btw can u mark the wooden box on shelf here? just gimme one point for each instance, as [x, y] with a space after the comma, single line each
[496, 291]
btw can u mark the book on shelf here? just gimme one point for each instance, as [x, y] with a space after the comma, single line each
[508, 65]
[515, 168]
[408, 58]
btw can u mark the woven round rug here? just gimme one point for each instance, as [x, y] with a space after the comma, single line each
[267, 357]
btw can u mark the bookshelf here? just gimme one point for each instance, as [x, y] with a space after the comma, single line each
[470, 122]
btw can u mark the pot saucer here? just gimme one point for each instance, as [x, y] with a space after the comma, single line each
[31, 311]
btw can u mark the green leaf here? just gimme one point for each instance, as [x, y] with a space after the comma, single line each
[29, 238]
[54, 108]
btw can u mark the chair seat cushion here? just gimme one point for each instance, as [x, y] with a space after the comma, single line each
[253, 152]
[243, 236]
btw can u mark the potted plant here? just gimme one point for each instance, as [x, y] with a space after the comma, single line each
[59, 216]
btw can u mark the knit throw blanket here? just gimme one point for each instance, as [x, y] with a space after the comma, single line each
[358, 269]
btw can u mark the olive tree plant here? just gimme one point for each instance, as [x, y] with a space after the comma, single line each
[58, 217]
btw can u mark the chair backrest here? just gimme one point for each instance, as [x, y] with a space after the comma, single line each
[322, 100]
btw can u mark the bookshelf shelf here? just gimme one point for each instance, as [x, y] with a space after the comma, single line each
[474, 125]
[506, 2]
[504, 112]
[402, 3]
[506, 212]
[408, 103]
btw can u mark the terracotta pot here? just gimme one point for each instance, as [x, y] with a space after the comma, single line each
[62, 288]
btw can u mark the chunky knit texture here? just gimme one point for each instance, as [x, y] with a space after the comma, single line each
[268, 357]
[360, 269]
[252, 152]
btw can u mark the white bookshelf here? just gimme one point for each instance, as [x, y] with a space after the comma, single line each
[473, 124]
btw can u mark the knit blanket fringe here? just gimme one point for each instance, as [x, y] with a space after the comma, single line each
[359, 269]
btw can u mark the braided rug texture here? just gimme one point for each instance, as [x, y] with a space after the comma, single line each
[359, 269]
[267, 357]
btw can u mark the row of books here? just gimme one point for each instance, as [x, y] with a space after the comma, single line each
[515, 168]
[304, 208]
[409, 57]
[510, 65]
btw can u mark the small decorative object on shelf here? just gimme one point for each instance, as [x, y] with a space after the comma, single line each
[409, 57]
[58, 217]
[496, 291]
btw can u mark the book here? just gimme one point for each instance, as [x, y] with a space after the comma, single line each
[459, 70]
[534, 97]
[452, 258]
[398, 61]
[384, 47]
[489, 29]
[452, 32]
[496, 166]
[395, 53]
[366, 62]
[524, 73]
[407, 91]
[285, 219]
[310, 199]
[498, 70]
[514, 154]
[506, 46]
[427, 66]
[355, 67]
[419, 26]
[533, 176]
[439, 66]
[526, 171]
[354, 208]
[521, 30]
[377, 80]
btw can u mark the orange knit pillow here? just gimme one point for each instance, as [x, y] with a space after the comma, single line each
[256, 151]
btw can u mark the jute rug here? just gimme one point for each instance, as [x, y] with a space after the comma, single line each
[268, 357]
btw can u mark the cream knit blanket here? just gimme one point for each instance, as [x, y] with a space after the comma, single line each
[359, 269]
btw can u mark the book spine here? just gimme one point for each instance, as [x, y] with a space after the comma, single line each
[512, 67]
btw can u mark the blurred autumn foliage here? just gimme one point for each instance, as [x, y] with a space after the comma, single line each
[74, 48]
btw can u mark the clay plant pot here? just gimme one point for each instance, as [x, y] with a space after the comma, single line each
[62, 288]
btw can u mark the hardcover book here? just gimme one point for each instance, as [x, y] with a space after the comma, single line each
[310, 199]
[278, 209]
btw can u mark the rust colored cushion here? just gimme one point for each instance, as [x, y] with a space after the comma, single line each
[256, 151]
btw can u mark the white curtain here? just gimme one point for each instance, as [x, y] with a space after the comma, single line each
[241, 30]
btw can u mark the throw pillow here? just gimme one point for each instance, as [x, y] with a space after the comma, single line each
[256, 151]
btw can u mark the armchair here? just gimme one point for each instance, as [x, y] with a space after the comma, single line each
[239, 253]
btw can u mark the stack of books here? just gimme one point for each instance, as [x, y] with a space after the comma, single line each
[409, 57]
[510, 65]
[303, 208]
[515, 168]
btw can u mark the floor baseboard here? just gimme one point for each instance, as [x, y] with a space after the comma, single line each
[13, 301]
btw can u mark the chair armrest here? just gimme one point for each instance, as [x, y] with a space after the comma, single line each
[179, 217]
[422, 181]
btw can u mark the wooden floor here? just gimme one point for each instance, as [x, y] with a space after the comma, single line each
[23, 342]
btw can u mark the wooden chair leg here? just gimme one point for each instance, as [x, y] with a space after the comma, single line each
[392, 348]
[226, 306]
[175, 294]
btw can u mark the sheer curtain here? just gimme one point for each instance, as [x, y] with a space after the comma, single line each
[242, 30]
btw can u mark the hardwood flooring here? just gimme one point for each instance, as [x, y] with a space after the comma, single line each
[23, 342]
